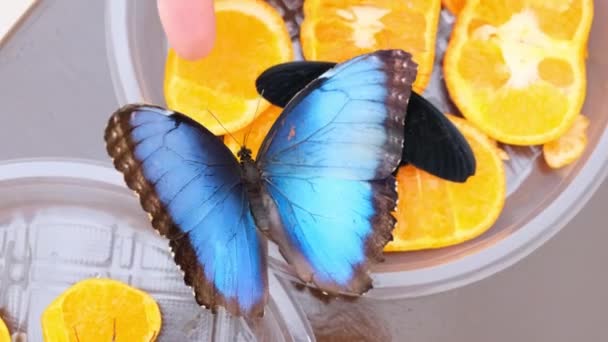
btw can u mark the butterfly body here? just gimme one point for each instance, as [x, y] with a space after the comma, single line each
[260, 203]
[321, 186]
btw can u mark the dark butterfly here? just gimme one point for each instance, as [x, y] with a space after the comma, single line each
[322, 186]
[432, 142]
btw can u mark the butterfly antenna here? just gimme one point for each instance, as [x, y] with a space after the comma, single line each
[76, 333]
[227, 131]
[114, 331]
[255, 116]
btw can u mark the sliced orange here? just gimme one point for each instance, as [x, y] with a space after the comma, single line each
[569, 147]
[5, 336]
[337, 30]
[101, 310]
[454, 6]
[255, 133]
[516, 68]
[251, 37]
[435, 213]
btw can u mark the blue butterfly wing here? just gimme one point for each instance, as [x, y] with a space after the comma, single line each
[190, 184]
[432, 142]
[328, 163]
[332, 227]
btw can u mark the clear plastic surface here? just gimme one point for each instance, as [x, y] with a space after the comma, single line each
[64, 221]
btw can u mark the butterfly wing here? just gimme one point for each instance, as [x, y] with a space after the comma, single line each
[432, 142]
[280, 83]
[327, 163]
[190, 184]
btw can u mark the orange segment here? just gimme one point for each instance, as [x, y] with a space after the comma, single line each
[99, 310]
[339, 30]
[454, 6]
[5, 336]
[251, 37]
[569, 147]
[559, 19]
[513, 73]
[256, 132]
[435, 213]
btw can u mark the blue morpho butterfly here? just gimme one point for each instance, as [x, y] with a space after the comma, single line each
[322, 187]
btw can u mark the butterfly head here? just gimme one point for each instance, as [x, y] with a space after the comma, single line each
[244, 155]
[251, 175]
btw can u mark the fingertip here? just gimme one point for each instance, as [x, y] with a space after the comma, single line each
[189, 26]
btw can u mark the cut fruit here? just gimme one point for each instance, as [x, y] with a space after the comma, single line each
[251, 37]
[339, 30]
[255, 132]
[101, 310]
[5, 336]
[569, 147]
[435, 213]
[516, 69]
[454, 6]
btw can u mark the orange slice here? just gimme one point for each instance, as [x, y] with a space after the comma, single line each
[434, 213]
[256, 132]
[454, 6]
[5, 336]
[101, 310]
[516, 69]
[335, 30]
[569, 147]
[251, 37]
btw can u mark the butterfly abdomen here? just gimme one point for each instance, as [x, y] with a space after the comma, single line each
[252, 179]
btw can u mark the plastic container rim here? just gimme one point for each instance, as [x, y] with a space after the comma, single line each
[424, 281]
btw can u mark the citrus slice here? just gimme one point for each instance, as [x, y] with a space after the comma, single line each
[101, 310]
[255, 132]
[251, 37]
[516, 69]
[569, 147]
[5, 336]
[433, 213]
[339, 30]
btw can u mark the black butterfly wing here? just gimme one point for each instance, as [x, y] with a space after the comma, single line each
[280, 83]
[434, 144]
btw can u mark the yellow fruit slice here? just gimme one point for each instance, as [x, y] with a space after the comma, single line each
[335, 30]
[569, 147]
[516, 68]
[251, 36]
[434, 213]
[5, 336]
[454, 6]
[101, 310]
[256, 132]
